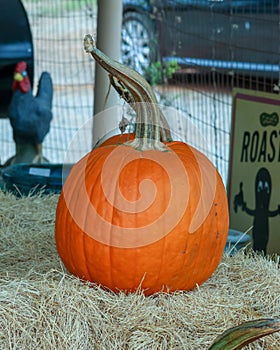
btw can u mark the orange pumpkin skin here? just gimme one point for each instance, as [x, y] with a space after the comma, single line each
[118, 139]
[162, 261]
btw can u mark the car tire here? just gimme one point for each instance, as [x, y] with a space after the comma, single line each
[139, 43]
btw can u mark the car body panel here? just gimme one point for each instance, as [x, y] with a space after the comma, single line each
[223, 34]
[15, 45]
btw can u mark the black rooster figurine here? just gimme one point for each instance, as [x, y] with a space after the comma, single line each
[30, 116]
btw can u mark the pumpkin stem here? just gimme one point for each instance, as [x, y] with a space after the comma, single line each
[151, 124]
[237, 337]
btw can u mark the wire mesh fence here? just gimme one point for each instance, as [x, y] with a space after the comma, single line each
[201, 90]
[58, 28]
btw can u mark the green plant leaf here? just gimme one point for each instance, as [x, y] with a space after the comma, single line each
[237, 337]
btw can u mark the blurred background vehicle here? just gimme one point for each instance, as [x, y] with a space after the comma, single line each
[229, 36]
[15, 46]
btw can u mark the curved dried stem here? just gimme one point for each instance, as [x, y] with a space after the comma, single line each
[150, 121]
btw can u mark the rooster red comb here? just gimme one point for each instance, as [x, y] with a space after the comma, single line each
[21, 80]
[21, 66]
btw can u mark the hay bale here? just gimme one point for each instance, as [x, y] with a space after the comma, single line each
[44, 307]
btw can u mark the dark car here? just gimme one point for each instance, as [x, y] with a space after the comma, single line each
[224, 35]
[15, 45]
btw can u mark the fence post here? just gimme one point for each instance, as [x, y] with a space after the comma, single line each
[109, 22]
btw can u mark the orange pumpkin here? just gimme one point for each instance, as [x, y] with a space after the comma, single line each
[142, 214]
[100, 242]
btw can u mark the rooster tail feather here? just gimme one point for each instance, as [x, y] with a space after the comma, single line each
[45, 89]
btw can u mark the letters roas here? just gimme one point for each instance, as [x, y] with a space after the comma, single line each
[260, 146]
